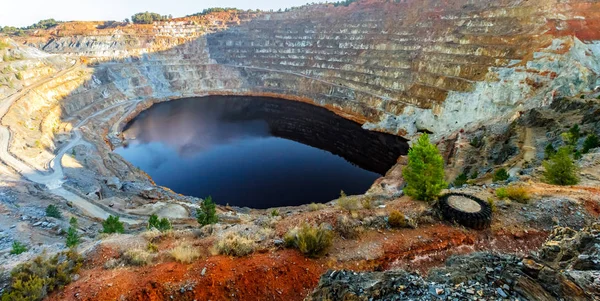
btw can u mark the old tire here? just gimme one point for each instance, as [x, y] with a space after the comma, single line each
[466, 210]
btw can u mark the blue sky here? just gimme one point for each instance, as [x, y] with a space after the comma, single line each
[26, 12]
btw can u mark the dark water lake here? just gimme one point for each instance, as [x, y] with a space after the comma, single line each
[257, 152]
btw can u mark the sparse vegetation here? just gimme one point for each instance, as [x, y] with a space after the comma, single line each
[214, 10]
[152, 248]
[367, 202]
[517, 194]
[312, 241]
[590, 142]
[572, 135]
[315, 206]
[207, 213]
[137, 257]
[235, 244]
[52, 211]
[347, 227]
[161, 225]
[396, 219]
[72, 237]
[424, 173]
[275, 212]
[185, 253]
[19, 76]
[347, 203]
[501, 193]
[460, 180]
[18, 248]
[112, 225]
[3, 45]
[474, 175]
[148, 18]
[560, 169]
[36, 279]
[492, 204]
[501, 175]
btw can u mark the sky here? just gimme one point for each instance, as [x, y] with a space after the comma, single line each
[21, 13]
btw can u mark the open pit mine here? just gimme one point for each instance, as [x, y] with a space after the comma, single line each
[359, 150]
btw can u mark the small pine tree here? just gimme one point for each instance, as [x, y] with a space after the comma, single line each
[72, 236]
[424, 173]
[501, 175]
[572, 135]
[207, 213]
[591, 141]
[560, 169]
[52, 211]
[112, 225]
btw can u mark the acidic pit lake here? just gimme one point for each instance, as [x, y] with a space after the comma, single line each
[257, 152]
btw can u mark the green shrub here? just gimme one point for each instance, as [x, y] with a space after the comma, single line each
[518, 194]
[3, 45]
[235, 245]
[560, 169]
[501, 175]
[112, 225]
[474, 175]
[52, 211]
[397, 219]
[572, 135]
[424, 174]
[72, 236]
[492, 204]
[310, 240]
[162, 225]
[19, 76]
[549, 151]
[207, 213]
[460, 180]
[275, 212]
[18, 248]
[36, 279]
[501, 193]
[591, 141]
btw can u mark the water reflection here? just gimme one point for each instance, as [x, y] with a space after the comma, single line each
[257, 152]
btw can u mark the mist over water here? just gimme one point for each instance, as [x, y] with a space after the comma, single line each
[256, 152]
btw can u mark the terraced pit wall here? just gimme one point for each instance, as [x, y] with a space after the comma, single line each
[398, 67]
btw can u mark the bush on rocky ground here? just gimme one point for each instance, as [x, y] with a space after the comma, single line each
[235, 244]
[424, 173]
[517, 194]
[112, 225]
[591, 141]
[137, 257]
[397, 219]
[18, 248]
[159, 224]
[347, 227]
[312, 241]
[315, 206]
[501, 175]
[72, 236]
[347, 203]
[560, 169]
[460, 180]
[52, 211]
[34, 280]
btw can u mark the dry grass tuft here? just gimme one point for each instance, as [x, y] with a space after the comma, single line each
[348, 227]
[184, 253]
[137, 257]
[518, 194]
[235, 244]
